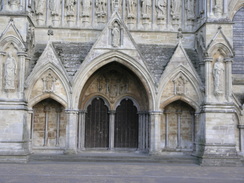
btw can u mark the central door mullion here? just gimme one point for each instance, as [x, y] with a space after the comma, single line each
[111, 129]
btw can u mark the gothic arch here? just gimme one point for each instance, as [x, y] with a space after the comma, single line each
[193, 80]
[225, 50]
[35, 76]
[89, 101]
[236, 5]
[135, 103]
[86, 71]
[14, 40]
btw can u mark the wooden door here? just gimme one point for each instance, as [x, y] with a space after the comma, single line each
[126, 125]
[97, 125]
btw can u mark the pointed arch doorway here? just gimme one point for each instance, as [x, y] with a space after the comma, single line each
[112, 116]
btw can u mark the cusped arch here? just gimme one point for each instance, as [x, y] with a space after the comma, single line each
[135, 103]
[237, 6]
[194, 81]
[89, 101]
[35, 76]
[86, 71]
[12, 40]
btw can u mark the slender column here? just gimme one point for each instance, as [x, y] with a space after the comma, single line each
[211, 7]
[155, 131]
[21, 56]
[111, 129]
[225, 7]
[46, 110]
[62, 13]
[58, 111]
[178, 129]
[147, 130]
[208, 74]
[140, 144]
[71, 131]
[81, 131]
[193, 127]
[143, 131]
[166, 129]
[2, 56]
[228, 77]
[78, 13]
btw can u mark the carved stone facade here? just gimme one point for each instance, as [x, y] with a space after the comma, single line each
[149, 76]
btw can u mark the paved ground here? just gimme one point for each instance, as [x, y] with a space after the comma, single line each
[88, 172]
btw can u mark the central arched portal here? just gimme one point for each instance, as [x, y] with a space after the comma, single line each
[113, 105]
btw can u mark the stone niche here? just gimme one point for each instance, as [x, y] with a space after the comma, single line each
[113, 82]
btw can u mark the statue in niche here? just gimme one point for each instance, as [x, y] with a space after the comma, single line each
[54, 6]
[101, 7]
[179, 85]
[31, 36]
[218, 75]
[161, 8]
[131, 8]
[146, 6]
[70, 6]
[10, 72]
[175, 9]
[48, 83]
[201, 41]
[40, 7]
[86, 5]
[189, 7]
[116, 35]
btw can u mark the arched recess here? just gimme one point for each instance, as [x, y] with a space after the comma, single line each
[37, 85]
[113, 83]
[178, 127]
[139, 70]
[48, 127]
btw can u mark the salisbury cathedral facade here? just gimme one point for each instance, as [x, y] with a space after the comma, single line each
[145, 76]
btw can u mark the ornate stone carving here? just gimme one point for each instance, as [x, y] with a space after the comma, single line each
[180, 85]
[49, 83]
[40, 7]
[10, 72]
[54, 6]
[146, 6]
[189, 7]
[161, 9]
[14, 4]
[101, 8]
[175, 9]
[31, 37]
[86, 5]
[218, 75]
[116, 35]
[70, 7]
[131, 9]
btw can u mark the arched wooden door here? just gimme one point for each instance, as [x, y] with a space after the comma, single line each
[97, 125]
[126, 125]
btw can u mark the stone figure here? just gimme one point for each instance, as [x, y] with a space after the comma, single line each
[101, 7]
[86, 5]
[10, 72]
[131, 8]
[70, 6]
[55, 7]
[13, 2]
[146, 5]
[40, 7]
[175, 9]
[116, 35]
[201, 41]
[189, 7]
[218, 74]
[49, 83]
[31, 36]
[161, 8]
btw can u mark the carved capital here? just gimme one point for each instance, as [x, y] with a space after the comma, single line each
[208, 59]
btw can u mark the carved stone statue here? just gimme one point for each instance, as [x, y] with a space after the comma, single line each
[201, 41]
[10, 72]
[48, 82]
[146, 5]
[54, 6]
[31, 36]
[14, 4]
[70, 7]
[161, 8]
[218, 75]
[40, 7]
[175, 9]
[86, 5]
[101, 8]
[131, 8]
[189, 7]
[116, 35]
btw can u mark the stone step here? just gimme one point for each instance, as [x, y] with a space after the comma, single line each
[101, 157]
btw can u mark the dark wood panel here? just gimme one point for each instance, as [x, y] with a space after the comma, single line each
[97, 125]
[126, 125]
